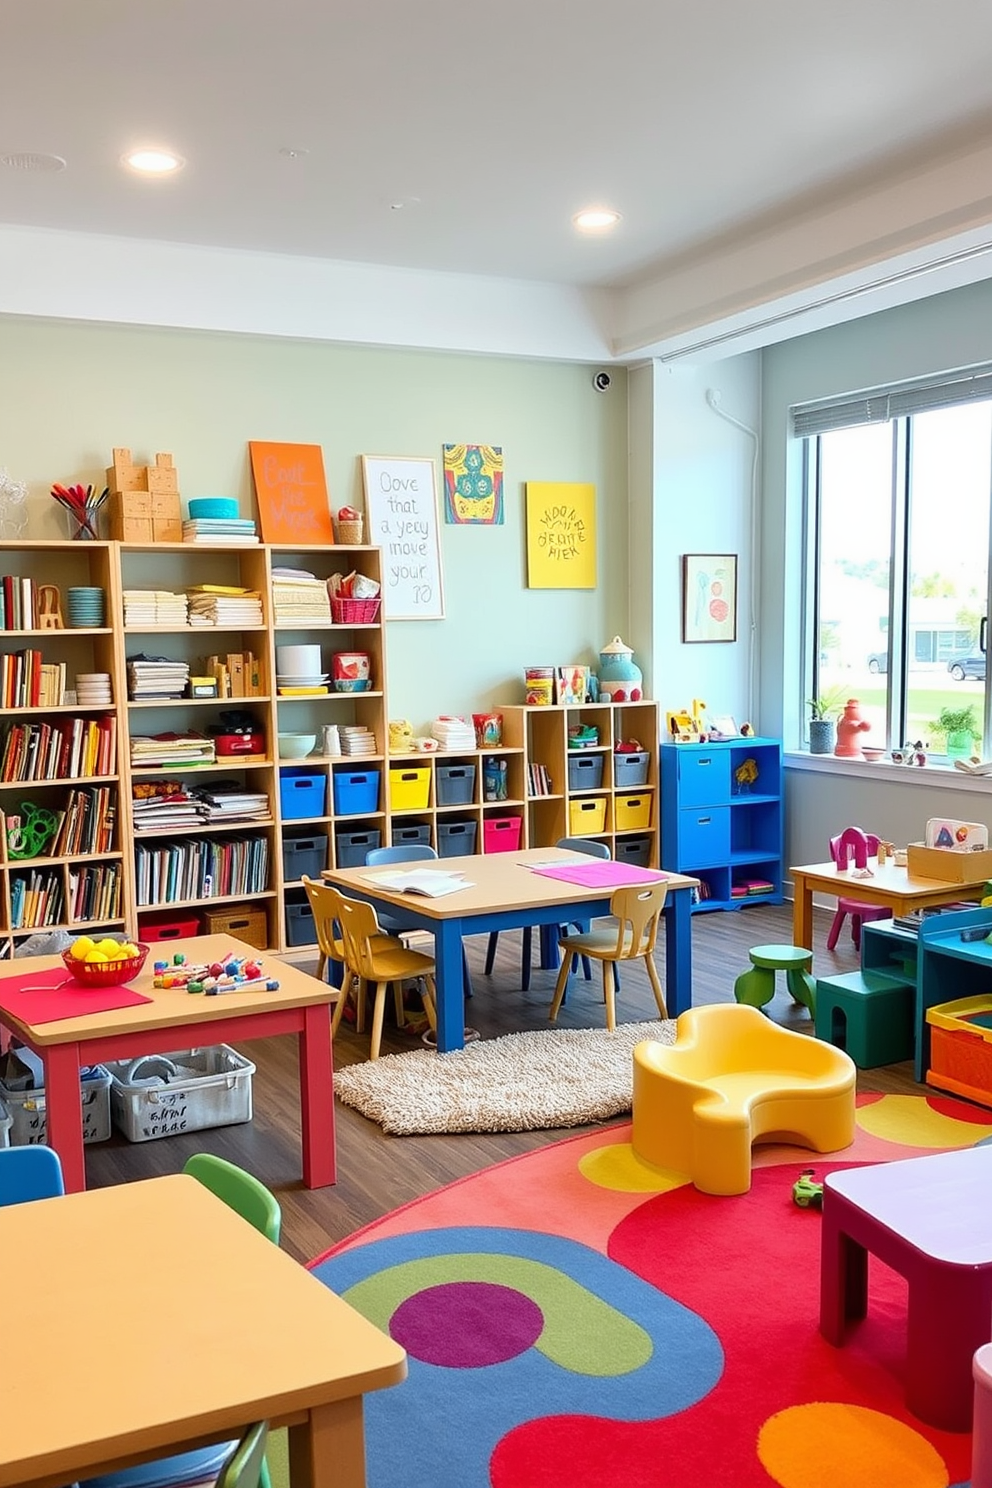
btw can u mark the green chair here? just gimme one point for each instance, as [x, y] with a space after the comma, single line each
[245, 1468]
[239, 1191]
[756, 987]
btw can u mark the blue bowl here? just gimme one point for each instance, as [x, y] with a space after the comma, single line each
[213, 506]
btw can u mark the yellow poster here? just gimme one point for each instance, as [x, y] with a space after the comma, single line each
[561, 535]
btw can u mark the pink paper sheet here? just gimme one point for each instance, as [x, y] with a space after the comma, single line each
[47, 996]
[602, 873]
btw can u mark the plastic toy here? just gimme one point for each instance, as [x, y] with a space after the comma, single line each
[213, 977]
[806, 1191]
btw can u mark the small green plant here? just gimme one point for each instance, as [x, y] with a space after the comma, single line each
[827, 705]
[956, 721]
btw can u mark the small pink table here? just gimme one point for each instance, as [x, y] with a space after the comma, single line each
[930, 1219]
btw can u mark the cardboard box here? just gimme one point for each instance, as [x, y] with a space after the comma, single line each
[945, 864]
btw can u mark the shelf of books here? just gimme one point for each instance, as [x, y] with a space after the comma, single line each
[61, 719]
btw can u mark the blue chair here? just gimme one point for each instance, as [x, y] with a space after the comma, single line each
[592, 849]
[410, 852]
[28, 1173]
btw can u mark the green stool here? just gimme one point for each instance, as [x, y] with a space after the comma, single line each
[868, 1013]
[757, 986]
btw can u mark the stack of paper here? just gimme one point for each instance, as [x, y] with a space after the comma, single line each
[158, 750]
[299, 597]
[162, 806]
[156, 677]
[356, 739]
[144, 607]
[235, 610]
[453, 733]
[224, 530]
[220, 806]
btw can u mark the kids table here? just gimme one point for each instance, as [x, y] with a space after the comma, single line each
[218, 1328]
[504, 893]
[175, 1019]
[893, 887]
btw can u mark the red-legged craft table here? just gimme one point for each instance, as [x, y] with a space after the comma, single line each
[930, 1219]
[173, 1018]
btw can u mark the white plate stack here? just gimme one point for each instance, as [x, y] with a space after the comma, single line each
[300, 666]
[356, 739]
[93, 689]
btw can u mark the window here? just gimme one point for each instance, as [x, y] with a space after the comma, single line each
[898, 537]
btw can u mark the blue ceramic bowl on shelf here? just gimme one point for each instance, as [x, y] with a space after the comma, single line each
[222, 507]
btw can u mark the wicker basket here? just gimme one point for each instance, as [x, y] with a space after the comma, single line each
[351, 532]
[354, 611]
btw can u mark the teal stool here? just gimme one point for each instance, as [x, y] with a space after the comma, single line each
[869, 1014]
[757, 986]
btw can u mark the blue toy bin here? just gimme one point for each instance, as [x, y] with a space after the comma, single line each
[301, 794]
[356, 792]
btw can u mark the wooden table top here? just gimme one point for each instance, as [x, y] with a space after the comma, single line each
[152, 1313]
[890, 878]
[498, 882]
[170, 1007]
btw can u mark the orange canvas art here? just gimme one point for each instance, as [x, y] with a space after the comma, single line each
[291, 491]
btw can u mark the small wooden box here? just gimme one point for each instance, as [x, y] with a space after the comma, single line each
[240, 921]
[167, 529]
[945, 864]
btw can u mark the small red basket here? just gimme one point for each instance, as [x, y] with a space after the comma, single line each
[105, 973]
[354, 611]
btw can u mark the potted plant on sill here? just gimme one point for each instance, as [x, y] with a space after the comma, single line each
[823, 721]
[960, 730]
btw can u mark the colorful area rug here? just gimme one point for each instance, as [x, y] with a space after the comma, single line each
[576, 1319]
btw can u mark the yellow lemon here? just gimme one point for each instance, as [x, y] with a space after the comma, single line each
[81, 947]
[96, 955]
[110, 948]
[129, 950]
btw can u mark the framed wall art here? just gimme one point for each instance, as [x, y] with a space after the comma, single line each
[401, 505]
[709, 597]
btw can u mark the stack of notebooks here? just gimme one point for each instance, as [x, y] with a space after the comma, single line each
[299, 597]
[161, 806]
[150, 677]
[213, 604]
[219, 530]
[453, 733]
[221, 807]
[157, 751]
[144, 607]
[356, 739]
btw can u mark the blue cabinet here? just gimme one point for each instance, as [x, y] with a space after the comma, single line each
[721, 819]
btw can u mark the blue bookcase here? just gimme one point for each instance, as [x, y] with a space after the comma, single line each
[721, 825]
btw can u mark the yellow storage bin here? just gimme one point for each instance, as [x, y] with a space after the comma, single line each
[410, 790]
[587, 817]
[631, 811]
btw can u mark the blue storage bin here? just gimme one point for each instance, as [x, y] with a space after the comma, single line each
[456, 839]
[352, 848]
[300, 927]
[356, 792]
[302, 794]
[585, 772]
[304, 857]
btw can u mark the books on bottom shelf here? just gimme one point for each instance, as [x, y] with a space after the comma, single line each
[200, 868]
[432, 883]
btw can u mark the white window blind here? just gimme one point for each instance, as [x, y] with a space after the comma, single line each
[882, 404]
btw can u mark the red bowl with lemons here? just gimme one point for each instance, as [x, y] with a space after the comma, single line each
[122, 960]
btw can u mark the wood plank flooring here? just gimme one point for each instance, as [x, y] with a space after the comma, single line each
[377, 1173]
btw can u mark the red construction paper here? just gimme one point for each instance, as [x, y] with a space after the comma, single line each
[47, 996]
[601, 873]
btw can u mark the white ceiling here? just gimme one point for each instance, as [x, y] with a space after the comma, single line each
[691, 117]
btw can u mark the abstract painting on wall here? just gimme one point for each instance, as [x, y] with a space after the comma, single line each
[473, 483]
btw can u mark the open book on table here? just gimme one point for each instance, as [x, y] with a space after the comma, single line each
[432, 882]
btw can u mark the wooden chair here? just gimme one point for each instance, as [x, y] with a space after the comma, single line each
[409, 852]
[630, 936]
[592, 849]
[323, 901]
[859, 911]
[382, 961]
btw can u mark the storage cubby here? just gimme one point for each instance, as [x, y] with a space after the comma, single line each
[721, 819]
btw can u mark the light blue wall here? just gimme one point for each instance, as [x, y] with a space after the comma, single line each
[71, 391]
[944, 333]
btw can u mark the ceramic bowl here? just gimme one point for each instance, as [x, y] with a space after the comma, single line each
[296, 746]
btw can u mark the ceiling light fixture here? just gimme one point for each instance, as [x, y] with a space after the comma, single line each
[31, 160]
[153, 162]
[596, 219]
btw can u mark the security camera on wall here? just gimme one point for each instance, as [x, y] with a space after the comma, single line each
[602, 381]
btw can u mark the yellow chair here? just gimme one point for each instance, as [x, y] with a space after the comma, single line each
[380, 961]
[324, 903]
[630, 936]
[732, 1078]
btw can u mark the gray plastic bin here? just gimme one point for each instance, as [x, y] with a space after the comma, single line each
[633, 850]
[455, 839]
[630, 769]
[300, 928]
[351, 848]
[585, 772]
[455, 785]
[403, 836]
[304, 856]
[163, 1095]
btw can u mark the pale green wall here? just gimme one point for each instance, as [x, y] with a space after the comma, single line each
[70, 392]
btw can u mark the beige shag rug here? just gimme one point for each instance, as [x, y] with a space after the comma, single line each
[521, 1082]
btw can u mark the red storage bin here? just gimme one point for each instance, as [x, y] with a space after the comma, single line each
[501, 833]
[169, 927]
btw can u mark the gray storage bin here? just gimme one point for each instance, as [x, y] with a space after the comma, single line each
[455, 785]
[27, 1110]
[402, 836]
[162, 1095]
[585, 772]
[630, 769]
[300, 928]
[633, 850]
[304, 856]
[351, 848]
[456, 839]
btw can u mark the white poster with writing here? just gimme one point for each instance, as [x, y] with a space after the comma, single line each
[401, 506]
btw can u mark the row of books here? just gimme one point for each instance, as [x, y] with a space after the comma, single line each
[539, 780]
[21, 679]
[36, 899]
[95, 892]
[199, 868]
[76, 748]
[238, 674]
[18, 603]
[83, 826]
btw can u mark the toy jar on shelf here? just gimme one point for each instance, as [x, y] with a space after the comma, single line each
[620, 679]
[849, 726]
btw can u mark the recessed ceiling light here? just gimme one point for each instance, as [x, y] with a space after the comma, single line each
[151, 162]
[402, 202]
[30, 160]
[293, 152]
[596, 219]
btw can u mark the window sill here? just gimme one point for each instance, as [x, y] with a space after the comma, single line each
[944, 777]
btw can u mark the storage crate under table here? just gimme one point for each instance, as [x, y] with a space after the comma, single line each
[28, 1109]
[961, 1047]
[162, 1095]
